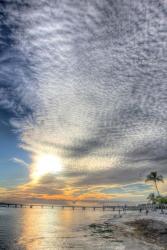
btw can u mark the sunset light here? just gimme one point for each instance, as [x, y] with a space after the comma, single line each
[46, 164]
[83, 124]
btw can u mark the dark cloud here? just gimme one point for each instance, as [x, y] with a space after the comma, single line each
[75, 174]
[45, 190]
[122, 175]
[51, 180]
[82, 148]
[48, 184]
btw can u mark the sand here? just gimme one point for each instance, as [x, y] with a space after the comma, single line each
[134, 231]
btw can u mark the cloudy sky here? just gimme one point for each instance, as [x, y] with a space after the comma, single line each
[83, 98]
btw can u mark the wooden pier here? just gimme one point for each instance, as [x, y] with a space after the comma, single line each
[118, 208]
[73, 207]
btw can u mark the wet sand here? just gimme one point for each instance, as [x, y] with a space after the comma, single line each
[151, 230]
[134, 231]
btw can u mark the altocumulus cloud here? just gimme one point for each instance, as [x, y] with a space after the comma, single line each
[87, 80]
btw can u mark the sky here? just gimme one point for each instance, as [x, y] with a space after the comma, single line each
[83, 99]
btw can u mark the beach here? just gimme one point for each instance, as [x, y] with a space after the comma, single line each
[134, 230]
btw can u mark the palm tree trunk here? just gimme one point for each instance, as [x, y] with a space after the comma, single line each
[157, 188]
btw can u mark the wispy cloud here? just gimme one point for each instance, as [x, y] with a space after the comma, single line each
[20, 161]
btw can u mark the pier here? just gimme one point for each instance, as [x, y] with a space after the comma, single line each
[73, 207]
[118, 208]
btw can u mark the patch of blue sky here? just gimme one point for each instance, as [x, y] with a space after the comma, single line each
[12, 173]
[137, 187]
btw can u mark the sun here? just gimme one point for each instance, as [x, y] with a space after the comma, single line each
[46, 164]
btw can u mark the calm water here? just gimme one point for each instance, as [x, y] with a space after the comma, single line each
[45, 229]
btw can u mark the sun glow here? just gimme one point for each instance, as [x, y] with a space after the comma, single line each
[46, 164]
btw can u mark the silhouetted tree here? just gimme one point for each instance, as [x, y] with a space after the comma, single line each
[155, 178]
[152, 198]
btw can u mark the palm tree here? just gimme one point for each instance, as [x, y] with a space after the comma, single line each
[154, 177]
[152, 198]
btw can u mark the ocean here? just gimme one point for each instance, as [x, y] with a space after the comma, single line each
[47, 228]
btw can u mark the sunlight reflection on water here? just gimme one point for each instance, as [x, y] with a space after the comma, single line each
[45, 229]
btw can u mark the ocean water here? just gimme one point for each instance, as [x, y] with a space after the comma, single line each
[57, 229]
[46, 229]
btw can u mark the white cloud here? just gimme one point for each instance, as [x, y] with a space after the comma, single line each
[20, 161]
[88, 78]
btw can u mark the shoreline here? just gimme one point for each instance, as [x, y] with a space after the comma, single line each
[134, 230]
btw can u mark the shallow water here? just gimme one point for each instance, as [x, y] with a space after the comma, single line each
[45, 229]
[57, 229]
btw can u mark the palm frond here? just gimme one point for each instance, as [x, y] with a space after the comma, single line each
[160, 178]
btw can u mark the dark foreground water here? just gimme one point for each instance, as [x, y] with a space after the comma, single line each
[46, 229]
